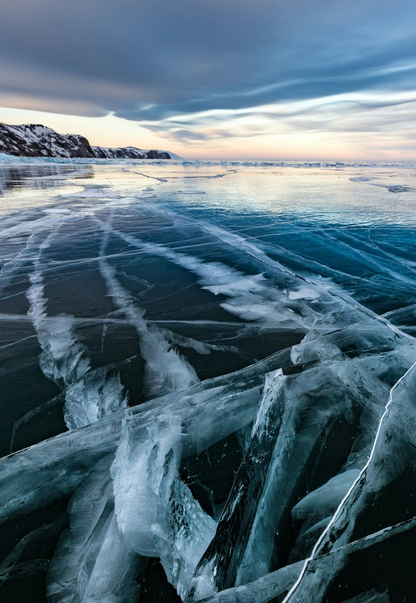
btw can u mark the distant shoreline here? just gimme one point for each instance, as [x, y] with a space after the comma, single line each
[38, 141]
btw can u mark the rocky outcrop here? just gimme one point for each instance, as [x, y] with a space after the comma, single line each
[35, 140]
[128, 152]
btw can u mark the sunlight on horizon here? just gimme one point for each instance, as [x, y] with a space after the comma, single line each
[317, 132]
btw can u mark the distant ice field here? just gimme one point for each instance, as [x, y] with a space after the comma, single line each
[208, 379]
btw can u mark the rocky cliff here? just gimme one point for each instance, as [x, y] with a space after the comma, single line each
[35, 140]
[128, 152]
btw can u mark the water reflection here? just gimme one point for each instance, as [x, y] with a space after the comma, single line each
[40, 176]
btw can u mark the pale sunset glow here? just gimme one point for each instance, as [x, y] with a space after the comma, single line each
[259, 80]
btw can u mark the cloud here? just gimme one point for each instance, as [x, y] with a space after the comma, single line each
[330, 114]
[155, 61]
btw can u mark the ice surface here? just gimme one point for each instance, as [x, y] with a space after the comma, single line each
[285, 440]
[90, 192]
[191, 192]
[94, 396]
[323, 501]
[165, 370]
[156, 512]
[57, 466]
[89, 396]
[371, 597]
[239, 403]
[92, 561]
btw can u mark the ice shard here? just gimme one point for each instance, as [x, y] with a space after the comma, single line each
[299, 418]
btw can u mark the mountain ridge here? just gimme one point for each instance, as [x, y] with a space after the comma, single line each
[36, 140]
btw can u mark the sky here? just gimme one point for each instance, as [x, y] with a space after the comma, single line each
[258, 79]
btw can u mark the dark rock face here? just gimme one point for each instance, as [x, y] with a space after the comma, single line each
[158, 155]
[35, 140]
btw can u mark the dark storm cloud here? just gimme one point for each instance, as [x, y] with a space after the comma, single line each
[147, 60]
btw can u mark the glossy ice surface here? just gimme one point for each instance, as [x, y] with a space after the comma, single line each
[208, 382]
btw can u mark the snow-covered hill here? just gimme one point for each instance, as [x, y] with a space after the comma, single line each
[35, 140]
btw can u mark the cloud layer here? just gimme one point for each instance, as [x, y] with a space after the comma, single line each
[205, 61]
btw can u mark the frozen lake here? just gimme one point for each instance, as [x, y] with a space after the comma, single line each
[208, 382]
